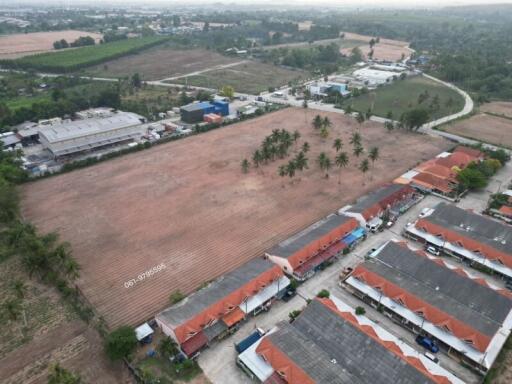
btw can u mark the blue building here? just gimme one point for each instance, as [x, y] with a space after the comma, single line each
[193, 113]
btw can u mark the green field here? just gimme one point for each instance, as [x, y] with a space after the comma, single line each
[403, 95]
[74, 59]
[25, 101]
[253, 77]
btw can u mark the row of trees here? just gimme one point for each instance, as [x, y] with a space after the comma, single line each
[82, 41]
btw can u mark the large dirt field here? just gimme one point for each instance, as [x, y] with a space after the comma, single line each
[386, 49]
[24, 44]
[48, 331]
[251, 77]
[486, 128]
[186, 205]
[161, 62]
[502, 108]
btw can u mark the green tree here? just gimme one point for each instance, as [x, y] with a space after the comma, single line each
[305, 147]
[364, 166]
[301, 161]
[389, 126]
[324, 132]
[338, 144]
[415, 118]
[12, 307]
[60, 375]
[327, 122]
[120, 343]
[245, 165]
[136, 81]
[19, 288]
[341, 161]
[373, 154]
[472, 178]
[358, 150]
[348, 109]
[295, 136]
[324, 293]
[282, 170]
[355, 139]
[325, 163]
[167, 347]
[360, 118]
[318, 122]
[227, 91]
[257, 158]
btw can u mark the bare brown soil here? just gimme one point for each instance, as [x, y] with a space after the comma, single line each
[486, 128]
[161, 62]
[24, 44]
[187, 204]
[386, 49]
[503, 108]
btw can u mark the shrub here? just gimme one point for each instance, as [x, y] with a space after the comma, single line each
[294, 314]
[176, 297]
[120, 343]
[324, 293]
[360, 311]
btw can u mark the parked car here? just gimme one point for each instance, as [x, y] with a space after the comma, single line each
[427, 343]
[289, 294]
[424, 212]
[432, 357]
[249, 340]
[433, 250]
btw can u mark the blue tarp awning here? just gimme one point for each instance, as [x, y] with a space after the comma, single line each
[356, 234]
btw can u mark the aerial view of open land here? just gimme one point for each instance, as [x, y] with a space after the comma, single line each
[193, 211]
[254, 192]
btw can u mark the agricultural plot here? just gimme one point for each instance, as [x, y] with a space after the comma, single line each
[343, 43]
[69, 60]
[47, 331]
[160, 62]
[403, 95]
[251, 77]
[179, 214]
[386, 49]
[485, 128]
[498, 108]
[24, 44]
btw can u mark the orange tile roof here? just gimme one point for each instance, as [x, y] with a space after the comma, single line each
[432, 182]
[430, 313]
[440, 171]
[456, 159]
[233, 317]
[506, 211]
[475, 153]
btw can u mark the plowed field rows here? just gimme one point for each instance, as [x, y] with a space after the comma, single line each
[187, 205]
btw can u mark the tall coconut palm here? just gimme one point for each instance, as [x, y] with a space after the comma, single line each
[245, 165]
[291, 168]
[257, 158]
[301, 161]
[305, 147]
[318, 122]
[341, 161]
[296, 136]
[360, 118]
[364, 167]
[374, 154]
[325, 163]
[327, 122]
[282, 171]
[358, 150]
[338, 144]
[324, 132]
[355, 138]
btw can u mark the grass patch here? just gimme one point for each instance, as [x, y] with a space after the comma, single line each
[25, 101]
[168, 372]
[251, 78]
[74, 59]
[404, 95]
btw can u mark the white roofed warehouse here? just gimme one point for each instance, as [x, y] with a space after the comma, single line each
[82, 135]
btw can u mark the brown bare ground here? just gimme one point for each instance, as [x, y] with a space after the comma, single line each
[486, 128]
[161, 62]
[503, 108]
[187, 204]
[386, 49]
[24, 44]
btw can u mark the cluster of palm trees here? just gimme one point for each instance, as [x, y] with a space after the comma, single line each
[322, 124]
[274, 146]
[298, 163]
[358, 150]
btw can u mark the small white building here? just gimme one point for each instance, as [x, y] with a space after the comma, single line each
[374, 77]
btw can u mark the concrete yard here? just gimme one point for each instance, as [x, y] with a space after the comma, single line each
[184, 213]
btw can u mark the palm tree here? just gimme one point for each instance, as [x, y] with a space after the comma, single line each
[257, 158]
[327, 123]
[355, 139]
[341, 161]
[245, 165]
[318, 122]
[13, 308]
[364, 167]
[301, 161]
[360, 118]
[358, 150]
[324, 132]
[305, 147]
[338, 144]
[374, 154]
[282, 171]
[290, 168]
[71, 268]
[325, 163]
[348, 109]
[274, 136]
[296, 136]
[19, 288]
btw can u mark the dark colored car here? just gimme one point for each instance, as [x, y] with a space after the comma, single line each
[289, 294]
[427, 343]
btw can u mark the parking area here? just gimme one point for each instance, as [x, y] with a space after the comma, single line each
[219, 362]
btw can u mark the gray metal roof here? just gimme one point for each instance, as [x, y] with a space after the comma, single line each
[471, 225]
[301, 239]
[91, 126]
[375, 197]
[333, 351]
[196, 106]
[215, 291]
[9, 139]
[461, 297]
